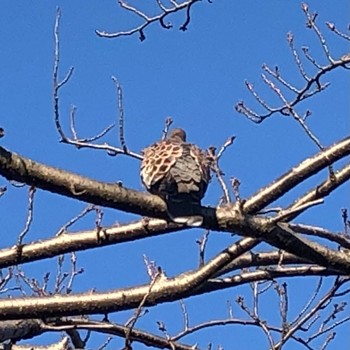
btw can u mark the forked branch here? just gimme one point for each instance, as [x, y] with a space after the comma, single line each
[147, 20]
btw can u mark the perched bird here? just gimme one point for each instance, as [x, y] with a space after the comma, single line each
[179, 172]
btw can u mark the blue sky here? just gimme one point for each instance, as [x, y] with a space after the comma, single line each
[196, 77]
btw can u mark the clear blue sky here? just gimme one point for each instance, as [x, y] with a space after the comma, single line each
[195, 77]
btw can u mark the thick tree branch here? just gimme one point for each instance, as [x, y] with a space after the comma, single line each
[259, 228]
[175, 288]
[63, 344]
[137, 335]
[103, 327]
[337, 237]
[259, 259]
[20, 329]
[18, 168]
[323, 190]
[125, 299]
[297, 175]
[129, 298]
[228, 218]
[280, 235]
[70, 242]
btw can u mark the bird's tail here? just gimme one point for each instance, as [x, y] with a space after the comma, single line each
[184, 211]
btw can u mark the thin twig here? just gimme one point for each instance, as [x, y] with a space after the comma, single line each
[311, 23]
[332, 27]
[214, 163]
[299, 64]
[29, 220]
[148, 20]
[131, 323]
[276, 74]
[168, 122]
[312, 86]
[223, 148]
[74, 272]
[284, 214]
[105, 344]
[185, 317]
[202, 243]
[75, 140]
[56, 84]
[255, 318]
[120, 114]
[320, 305]
[72, 221]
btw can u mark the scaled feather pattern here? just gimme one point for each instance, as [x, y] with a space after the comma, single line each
[179, 172]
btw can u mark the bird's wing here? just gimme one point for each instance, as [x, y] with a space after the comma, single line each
[202, 161]
[158, 159]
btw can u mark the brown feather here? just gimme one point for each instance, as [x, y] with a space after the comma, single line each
[177, 171]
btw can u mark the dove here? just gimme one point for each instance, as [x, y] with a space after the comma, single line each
[178, 172]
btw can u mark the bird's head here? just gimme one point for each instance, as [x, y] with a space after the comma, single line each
[177, 135]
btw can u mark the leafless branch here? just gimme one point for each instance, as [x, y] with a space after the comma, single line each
[56, 84]
[292, 249]
[152, 268]
[168, 122]
[312, 85]
[337, 237]
[311, 23]
[75, 140]
[163, 289]
[29, 220]
[202, 243]
[72, 221]
[105, 344]
[148, 20]
[320, 304]
[298, 62]
[331, 26]
[289, 180]
[4, 281]
[240, 301]
[284, 214]
[74, 272]
[137, 314]
[346, 221]
[214, 162]
[136, 335]
[121, 114]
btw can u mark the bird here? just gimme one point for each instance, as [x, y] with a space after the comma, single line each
[178, 172]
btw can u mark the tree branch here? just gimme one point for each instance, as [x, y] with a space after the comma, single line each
[297, 175]
[70, 242]
[186, 5]
[163, 290]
